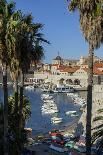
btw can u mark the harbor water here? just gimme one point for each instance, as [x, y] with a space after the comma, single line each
[40, 122]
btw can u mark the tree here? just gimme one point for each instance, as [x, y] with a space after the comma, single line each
[28, 50]
[13, 27]
[15, 144]
[6, 11]
[98, 132]
[90, 13]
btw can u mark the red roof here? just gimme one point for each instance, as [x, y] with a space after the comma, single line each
[98, 65]
[68, 69]
[96, 71]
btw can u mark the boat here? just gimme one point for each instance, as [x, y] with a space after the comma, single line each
[56, 120]
[63, 89]
[73, 95]
[48, 101]
[49, 111]
[54, 107]
[29, 87]
[46, 90]
[74, 115]
[45, 109]
[46, 97]
[71, 112]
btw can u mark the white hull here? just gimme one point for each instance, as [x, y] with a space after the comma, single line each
[49, 111]
[64, 89]
[56, 120]
[70, 112]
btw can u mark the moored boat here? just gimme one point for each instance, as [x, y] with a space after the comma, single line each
[63, 89]
[71, 112]
[56, 120]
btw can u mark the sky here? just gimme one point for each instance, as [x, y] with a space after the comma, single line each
[61, 28]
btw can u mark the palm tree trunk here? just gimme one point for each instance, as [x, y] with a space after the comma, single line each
[21, 99]
[16, 95]
[5, 89]
[89, 102]
[16, 105]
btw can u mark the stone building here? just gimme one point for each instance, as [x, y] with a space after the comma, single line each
[70, 62]
[58, 60]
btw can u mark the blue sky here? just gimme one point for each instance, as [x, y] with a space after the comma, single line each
[61, 28]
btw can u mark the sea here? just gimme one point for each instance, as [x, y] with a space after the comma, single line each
[40, 122]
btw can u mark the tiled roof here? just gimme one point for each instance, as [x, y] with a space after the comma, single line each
[98, 65]
[68, 69]
[96, 71]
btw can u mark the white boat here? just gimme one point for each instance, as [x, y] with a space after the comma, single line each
[70, 112]
[63, 89]
[48, 101]
[47, 98]
[45, 95]
[73, 95]
[74, 115]
[49, 107]
[29, 87]
[50, 111]
[45, 109]
[46, 89]
[56, 120]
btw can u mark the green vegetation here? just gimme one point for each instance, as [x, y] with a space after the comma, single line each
[98, 131]
[91, 22]
[20, 46]
[16, 142]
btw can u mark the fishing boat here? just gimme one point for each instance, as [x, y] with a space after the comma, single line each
[29, 87]
[49, 111]
[71, 112]
[56, 120]
[63, 89]
[47, 97]
[74, 115]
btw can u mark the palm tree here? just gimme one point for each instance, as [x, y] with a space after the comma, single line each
[6, 10]
[91, 26]
[13, 27]
[28, 49]
[98, 131]
[15, 144]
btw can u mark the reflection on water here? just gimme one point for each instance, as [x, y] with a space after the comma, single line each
[42, 123]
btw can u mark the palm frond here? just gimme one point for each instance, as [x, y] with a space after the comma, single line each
[98, 118]
[100, 111]
[98, 127]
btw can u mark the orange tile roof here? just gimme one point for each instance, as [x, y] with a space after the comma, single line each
[68, 69]
[98, 65]
[96, 71]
